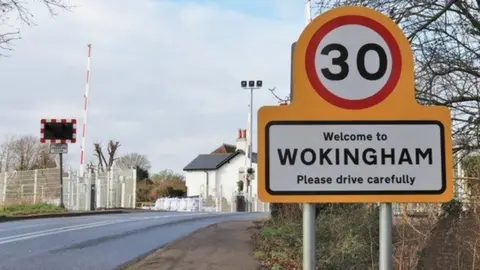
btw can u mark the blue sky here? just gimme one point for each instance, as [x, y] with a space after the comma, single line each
[165, 74]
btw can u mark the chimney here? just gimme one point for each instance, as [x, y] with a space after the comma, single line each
[242, 139]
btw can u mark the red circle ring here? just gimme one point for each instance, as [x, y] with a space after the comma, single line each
[359, 103]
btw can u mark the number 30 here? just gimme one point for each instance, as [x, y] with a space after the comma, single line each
[344, 68]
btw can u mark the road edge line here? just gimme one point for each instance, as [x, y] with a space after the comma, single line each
[69, 214]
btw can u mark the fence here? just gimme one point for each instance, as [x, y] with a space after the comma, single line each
[113, 189]
[210, 204]
[466, 190]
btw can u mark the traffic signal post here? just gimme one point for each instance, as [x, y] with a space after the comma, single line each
[250, 85]
[58, 132]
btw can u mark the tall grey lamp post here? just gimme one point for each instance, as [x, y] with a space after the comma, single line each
[250, 85]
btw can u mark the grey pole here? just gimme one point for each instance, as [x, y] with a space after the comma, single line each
[61, 179]
[309, 236]
[386, 236]
[291, 70]
[309, 240]
[250, 152]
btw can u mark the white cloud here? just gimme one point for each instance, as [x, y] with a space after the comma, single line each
[165, 74]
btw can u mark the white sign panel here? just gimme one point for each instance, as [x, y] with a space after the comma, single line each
[377, 157]
[58, 148]
[353, 57]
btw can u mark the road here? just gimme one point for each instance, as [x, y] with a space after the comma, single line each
[100, 242]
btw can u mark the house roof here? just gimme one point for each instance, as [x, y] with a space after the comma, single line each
[224, 149]
[213, 161]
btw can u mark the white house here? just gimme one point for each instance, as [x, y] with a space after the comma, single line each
[217, 173]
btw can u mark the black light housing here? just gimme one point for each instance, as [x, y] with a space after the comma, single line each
[244, 84]
[251, 83]
[59, 131]
[259, 83]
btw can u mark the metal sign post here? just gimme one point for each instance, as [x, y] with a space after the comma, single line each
[60, 149]
[62, 205]
[353, 132]
[386, 236]
[309, 239]
[58, 132]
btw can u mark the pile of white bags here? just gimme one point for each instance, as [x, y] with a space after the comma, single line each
[179, 204]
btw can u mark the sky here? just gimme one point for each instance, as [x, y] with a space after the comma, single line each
[165, 76]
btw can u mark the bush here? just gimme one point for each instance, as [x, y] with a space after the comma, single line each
[347, 237]
[286, 212]
[144, 188]
[168, 188]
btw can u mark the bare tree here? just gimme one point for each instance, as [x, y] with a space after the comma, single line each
[44, 159]
[6, 153]
[279, 99]
[25, 153]
[133, 161]
[112, 151]
[17, 10]
[97, 147]
[445, 40]
[112, 148]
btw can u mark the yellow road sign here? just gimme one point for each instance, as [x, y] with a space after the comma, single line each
[354, 131]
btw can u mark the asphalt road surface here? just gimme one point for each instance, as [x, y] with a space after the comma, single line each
[100, 242]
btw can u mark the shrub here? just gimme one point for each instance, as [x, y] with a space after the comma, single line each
[287, 212]
[168, 188]
[346, 237]
[144, 188]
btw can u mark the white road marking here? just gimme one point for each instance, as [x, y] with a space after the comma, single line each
[35, 234]
[25, 227]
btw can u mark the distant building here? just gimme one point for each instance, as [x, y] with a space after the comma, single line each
[217, 173]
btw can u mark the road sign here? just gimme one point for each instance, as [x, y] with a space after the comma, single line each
[388, 146]
[353, 52]
[353, 131]
[58, 148]
[58, 130]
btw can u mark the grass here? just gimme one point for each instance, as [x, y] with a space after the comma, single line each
[13, 210]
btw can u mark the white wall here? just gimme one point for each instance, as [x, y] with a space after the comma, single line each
[227, 177]
[223, 180]
[196, 182]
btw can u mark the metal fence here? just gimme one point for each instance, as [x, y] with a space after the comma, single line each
[113, 189]
[466, 190]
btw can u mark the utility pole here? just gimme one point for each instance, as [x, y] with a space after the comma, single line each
[250, 85]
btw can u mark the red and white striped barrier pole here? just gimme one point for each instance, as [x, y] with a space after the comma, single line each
[85, 108]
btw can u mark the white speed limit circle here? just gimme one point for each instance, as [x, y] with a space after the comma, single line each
[353, 62]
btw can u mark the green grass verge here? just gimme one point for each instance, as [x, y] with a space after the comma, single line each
[13, 210]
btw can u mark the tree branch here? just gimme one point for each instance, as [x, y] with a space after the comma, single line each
[431, 20]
